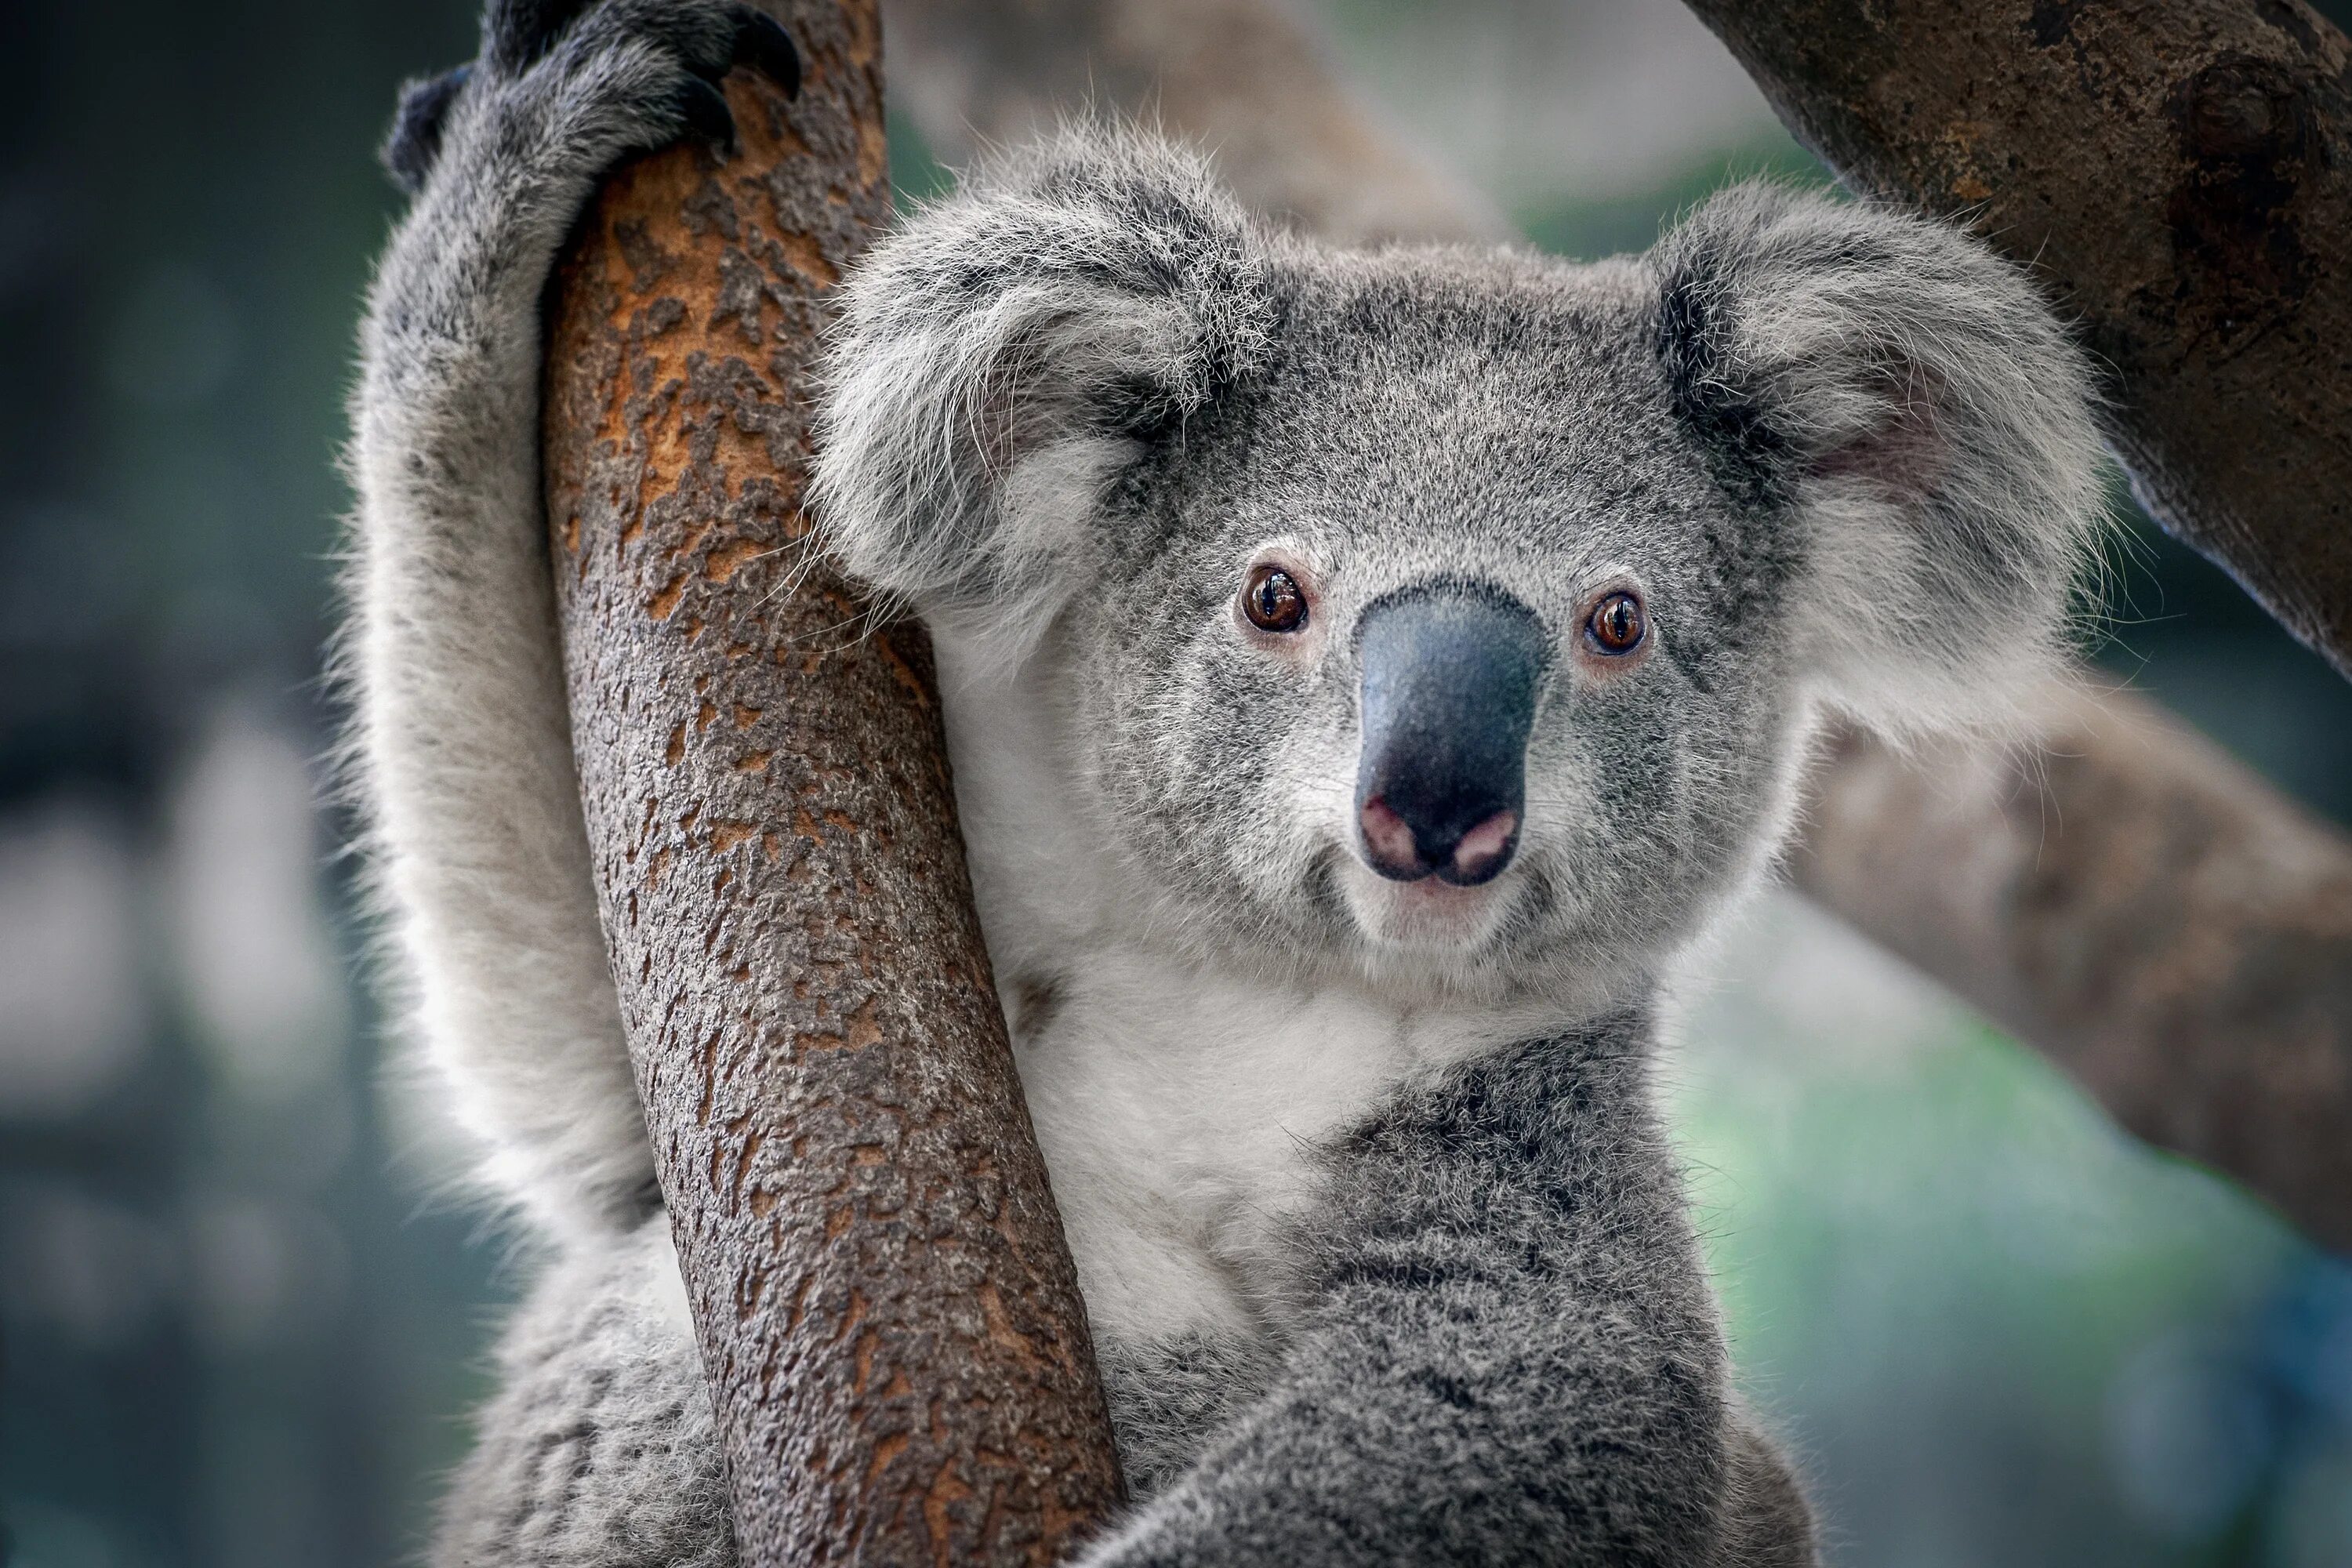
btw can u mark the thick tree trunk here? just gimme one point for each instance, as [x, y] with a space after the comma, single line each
[2205, 1002]
[2180, 172]
[885, 1306]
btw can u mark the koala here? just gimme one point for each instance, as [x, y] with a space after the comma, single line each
[1368, 674]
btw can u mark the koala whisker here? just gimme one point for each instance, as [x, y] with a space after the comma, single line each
[825, 631]
[807, 550]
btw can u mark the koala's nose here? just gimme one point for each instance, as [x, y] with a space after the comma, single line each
[1450, 678]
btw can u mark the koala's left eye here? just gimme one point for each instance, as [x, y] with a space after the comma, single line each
[1617, 624]
[1273, 600]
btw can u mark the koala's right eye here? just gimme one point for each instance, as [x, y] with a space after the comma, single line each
[1616, 624]
[1273, 600]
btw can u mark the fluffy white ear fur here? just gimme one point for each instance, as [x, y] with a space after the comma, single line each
[995, 365]
[1908, 397]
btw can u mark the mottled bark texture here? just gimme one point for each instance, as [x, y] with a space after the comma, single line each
[2207, 1003]
[2192, 967]
[2180, 173]
[887, 1309]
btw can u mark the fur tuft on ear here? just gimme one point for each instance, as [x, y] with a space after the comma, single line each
[1906, 397]
[1004, 356]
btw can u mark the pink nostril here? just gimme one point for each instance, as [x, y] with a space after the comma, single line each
[1388, 837]
[1486, 845]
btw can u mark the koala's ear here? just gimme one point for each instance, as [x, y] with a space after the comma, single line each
[1001, 358]
[1904, 400]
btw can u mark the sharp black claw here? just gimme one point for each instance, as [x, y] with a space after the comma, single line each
[416, 139]
[705, 111]
[762, 40]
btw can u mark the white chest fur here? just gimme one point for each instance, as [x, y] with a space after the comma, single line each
[1175, 1105]
[1175, 1097]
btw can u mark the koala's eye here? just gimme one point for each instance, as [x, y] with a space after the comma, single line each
[1273, 600]
[1616, 625]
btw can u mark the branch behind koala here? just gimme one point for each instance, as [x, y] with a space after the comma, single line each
[2015, 883]
[2187, 201]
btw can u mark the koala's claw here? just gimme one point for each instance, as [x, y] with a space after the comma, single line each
[522, 38]
[705, 110]
[762, 42]
[415, 137]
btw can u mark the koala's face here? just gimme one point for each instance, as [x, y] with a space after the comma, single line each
[1455, 617]
[1420, 646]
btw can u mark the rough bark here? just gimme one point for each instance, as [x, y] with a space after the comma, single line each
[2181, 174]
[2191, 966]
[2205, 1003]
[887, 1309]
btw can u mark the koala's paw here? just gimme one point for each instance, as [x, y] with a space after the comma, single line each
[571, 89]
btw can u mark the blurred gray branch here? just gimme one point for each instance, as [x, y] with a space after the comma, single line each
[1240, 77]
[2129, 900]
[2133, 901]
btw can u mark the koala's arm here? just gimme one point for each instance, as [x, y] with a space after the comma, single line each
[1507, 1352]
[462, 740]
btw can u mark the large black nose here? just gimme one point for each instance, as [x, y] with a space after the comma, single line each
[1450, 679]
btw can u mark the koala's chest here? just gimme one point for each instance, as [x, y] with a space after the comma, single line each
[1178, 1112]
[1177, 1102]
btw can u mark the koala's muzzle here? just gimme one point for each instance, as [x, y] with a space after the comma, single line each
[1450, 678]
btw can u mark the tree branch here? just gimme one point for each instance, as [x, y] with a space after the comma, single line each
[887, 1309]
[1239, 76]
[2127, 897]
[2180, 172]
[2092, 898]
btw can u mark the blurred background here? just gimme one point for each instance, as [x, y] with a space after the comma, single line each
[240, 1327]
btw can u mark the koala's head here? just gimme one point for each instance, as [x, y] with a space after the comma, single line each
[1451, 613]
